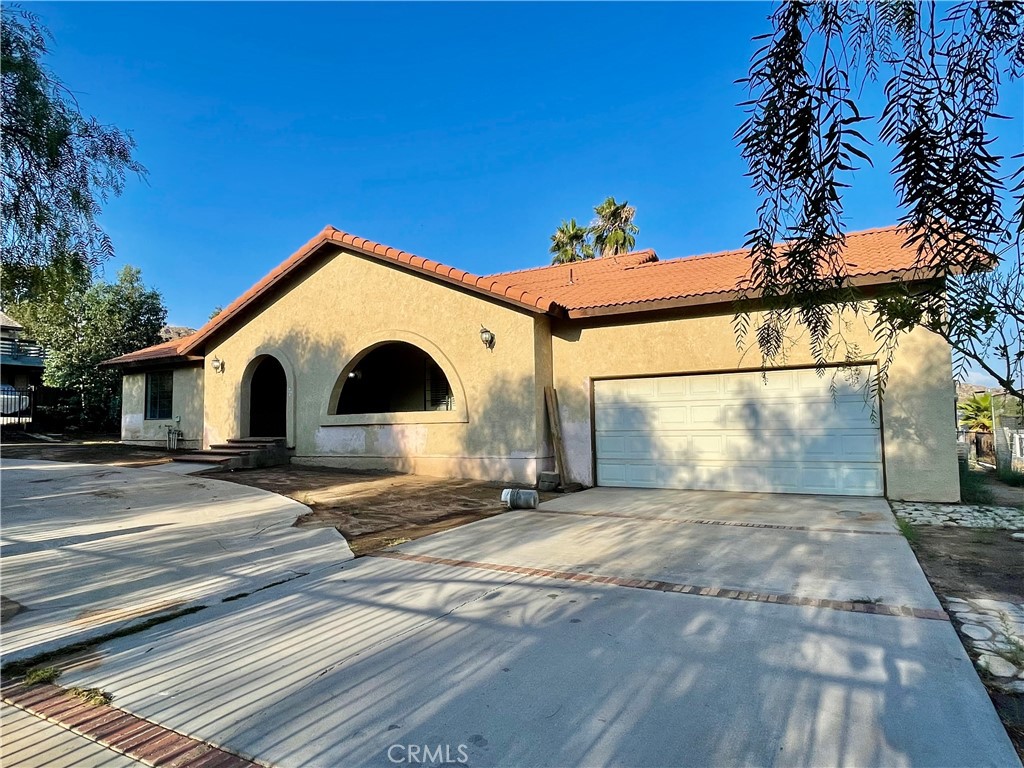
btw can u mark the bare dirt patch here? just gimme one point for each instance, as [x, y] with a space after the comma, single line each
[100, 450]
[1003, 494]
[972, 563]
[376, 510]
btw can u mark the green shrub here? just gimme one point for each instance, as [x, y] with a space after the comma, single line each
[973, 489]
[1008, 476]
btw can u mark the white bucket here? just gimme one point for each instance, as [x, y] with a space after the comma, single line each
[519, 498]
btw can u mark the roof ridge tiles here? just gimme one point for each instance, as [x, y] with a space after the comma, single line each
[595, 261]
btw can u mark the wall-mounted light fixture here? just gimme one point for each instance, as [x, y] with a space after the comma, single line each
[487, 337]
[357, 374]
[218, 365]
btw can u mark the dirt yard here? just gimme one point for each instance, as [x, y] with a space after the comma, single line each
[1003, 494]
[377, 510]
[95, 450]
[972, 563]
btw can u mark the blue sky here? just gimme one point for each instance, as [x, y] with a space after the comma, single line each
[459, 132]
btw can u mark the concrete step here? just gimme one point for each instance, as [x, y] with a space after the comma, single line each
[243, 453]
[202, 458]
[281, 441]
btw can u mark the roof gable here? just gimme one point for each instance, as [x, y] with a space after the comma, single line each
[334, 239]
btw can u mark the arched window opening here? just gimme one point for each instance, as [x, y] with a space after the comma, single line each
[395, 378]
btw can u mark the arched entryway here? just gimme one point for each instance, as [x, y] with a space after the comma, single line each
[268, 399]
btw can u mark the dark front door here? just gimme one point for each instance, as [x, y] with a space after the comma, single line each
[268, 400]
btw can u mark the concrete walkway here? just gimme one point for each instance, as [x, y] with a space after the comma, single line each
[88, 549]
[559, 637]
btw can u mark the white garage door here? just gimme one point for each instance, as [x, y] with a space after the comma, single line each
[783, 433]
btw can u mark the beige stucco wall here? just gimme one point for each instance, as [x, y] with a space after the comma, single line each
[186, 412]
[318, 326]
[919, 436]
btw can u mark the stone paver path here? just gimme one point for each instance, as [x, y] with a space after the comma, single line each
[960, 515]
[996, 635]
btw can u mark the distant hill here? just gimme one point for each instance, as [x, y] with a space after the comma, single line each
[172, 332]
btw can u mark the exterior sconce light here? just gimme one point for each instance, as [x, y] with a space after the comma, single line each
[218, 365]
[487, 337]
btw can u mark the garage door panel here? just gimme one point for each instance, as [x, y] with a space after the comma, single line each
[862, 480]
[706, 415]
[668, 416]
[612, 446]
[671, 386]
[862, 447]
[768, 446]
[704, 385]
[734, 432]
[819, 479]
[622, 419]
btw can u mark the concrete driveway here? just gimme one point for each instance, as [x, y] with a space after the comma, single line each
[611, 627]
[87, 549]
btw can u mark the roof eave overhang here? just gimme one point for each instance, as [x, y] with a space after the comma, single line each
[735, 296]
[154, 362]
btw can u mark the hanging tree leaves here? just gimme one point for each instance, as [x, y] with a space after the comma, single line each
[962, 209]
[59, 166]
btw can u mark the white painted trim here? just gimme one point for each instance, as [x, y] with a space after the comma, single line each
[404, 417]
[368, 343]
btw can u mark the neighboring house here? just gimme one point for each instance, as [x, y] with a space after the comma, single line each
[21, 362]
[365, 356]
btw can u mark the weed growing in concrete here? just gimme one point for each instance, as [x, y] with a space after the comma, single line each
[41, 675]
[91, 695]
[909, 531]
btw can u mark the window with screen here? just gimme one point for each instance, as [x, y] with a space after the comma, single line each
[159, 394]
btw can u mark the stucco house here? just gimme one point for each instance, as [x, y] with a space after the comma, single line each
[365, 356]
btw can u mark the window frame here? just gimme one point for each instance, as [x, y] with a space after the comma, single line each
[148, 409]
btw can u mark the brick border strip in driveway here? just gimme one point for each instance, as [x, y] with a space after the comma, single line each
[879, 609]
[132, 736]
[704, 521]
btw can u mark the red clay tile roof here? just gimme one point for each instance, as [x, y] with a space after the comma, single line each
[557, 275]
[167, 352]
[632, 282]
[716, 276]
[489, 286]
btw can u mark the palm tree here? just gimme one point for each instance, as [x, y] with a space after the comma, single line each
[613, 230]
[976, 413]
[570, 243]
